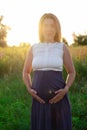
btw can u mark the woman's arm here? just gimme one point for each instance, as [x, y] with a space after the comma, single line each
[27, 69]
[68, 64]
[27, 78]
[67, 61]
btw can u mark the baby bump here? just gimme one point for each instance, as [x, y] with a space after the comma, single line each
[45, 92]
[46, 83]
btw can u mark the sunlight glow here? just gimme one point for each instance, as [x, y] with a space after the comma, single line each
[23, 18]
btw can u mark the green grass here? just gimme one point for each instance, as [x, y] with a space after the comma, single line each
[15, 104]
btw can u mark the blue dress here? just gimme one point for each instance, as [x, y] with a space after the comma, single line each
[47, 78]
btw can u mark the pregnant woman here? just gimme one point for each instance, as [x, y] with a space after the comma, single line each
[51, 108]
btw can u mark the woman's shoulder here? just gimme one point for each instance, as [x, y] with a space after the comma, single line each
[35, 44]
[66, 48]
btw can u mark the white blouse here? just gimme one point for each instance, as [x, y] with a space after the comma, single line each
[48, 56]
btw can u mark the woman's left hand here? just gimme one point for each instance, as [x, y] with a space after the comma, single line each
[59, 95]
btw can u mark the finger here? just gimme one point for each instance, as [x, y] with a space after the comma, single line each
[32, 90]
[34, 94]
[55, 99]
[39, 99]
[52, 100]
[58, 91]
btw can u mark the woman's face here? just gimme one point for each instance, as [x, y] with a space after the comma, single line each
[48, 30]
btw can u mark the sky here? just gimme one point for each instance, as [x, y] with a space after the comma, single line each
[23, 17]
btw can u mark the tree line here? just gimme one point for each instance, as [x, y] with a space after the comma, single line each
[80, 39]
[3, 32]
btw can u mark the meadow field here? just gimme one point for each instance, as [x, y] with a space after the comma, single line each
[15, 101]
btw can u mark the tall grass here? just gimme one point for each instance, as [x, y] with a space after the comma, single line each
[78, 93]
[13, 60]
[15, 102]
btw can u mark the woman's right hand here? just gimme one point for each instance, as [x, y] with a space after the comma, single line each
[33, 93]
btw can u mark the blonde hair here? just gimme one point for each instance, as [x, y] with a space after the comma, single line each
[57, 37]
